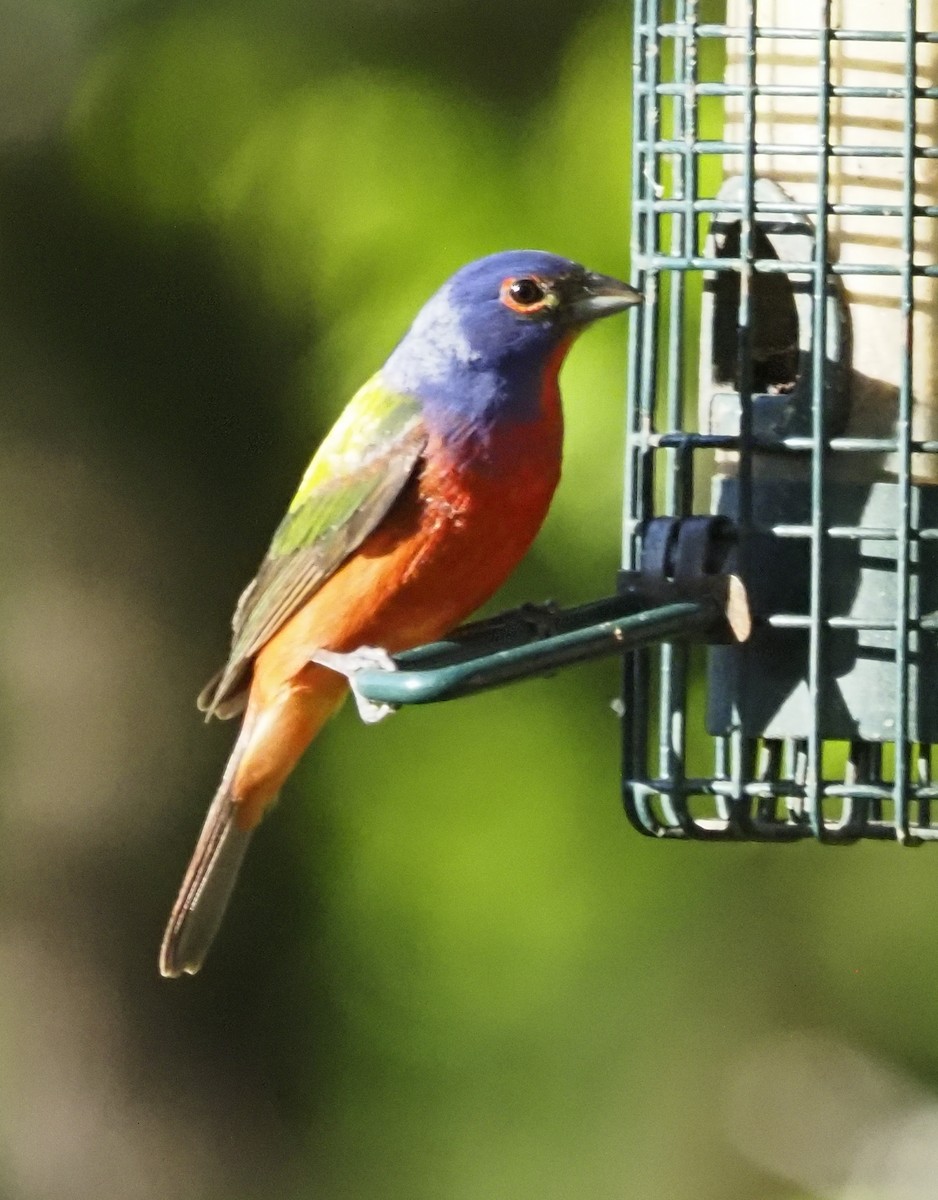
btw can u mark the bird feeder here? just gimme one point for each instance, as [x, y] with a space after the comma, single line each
[784, 197]
[777, 608]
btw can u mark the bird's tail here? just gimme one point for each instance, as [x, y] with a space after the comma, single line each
[209, 879]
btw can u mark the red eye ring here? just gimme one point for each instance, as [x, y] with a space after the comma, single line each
[524, 294]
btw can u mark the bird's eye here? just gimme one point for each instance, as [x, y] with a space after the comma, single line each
[525, 295]
[526, 292]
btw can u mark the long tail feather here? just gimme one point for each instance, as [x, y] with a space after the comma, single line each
[208, 883]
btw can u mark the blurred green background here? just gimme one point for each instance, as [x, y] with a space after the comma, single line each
[452, 971]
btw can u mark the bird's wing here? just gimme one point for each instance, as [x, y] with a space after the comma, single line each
[355, 476]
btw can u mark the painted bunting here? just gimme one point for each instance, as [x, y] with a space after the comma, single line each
[417, 506]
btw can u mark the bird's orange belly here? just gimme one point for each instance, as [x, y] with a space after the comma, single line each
[448, 543]
[441, 552]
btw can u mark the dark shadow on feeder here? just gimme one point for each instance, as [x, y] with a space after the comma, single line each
[857, 686]
[765, 367]
[773, 321]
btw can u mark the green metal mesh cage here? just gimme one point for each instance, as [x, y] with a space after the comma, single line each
[783, 231]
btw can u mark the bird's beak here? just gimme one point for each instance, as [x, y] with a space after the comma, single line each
[601, 296]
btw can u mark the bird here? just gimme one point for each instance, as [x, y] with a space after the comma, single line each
[416, 507]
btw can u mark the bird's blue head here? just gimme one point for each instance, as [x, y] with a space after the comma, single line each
[480, 345]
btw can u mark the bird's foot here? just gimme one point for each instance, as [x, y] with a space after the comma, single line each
[540, 618]
[365, 658]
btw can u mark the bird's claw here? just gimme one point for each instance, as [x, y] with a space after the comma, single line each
[365, 658]
[541, 619]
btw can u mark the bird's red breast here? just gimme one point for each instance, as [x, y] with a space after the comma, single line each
[454, 536]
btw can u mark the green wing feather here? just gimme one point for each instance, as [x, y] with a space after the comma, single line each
[355, 476]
